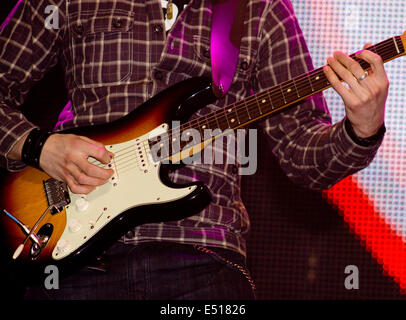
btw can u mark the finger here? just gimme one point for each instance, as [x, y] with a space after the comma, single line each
[92, 170]
[337, 84]
[342, 72]
[83, 178]
[76, 187]
[98, 151]
[375, 61]
[354, 89]
[367, 45]
[350, 64]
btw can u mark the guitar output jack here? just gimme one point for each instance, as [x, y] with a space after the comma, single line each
[44, 234]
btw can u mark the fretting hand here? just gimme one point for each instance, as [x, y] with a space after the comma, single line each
[366, 94]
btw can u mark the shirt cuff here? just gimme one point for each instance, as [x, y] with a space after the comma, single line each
[346, 149]
[8, 143]
[365, 142]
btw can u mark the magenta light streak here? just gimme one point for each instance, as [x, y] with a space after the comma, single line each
[11, 14]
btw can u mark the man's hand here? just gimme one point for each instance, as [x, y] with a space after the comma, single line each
[65, 157]
[364, 98]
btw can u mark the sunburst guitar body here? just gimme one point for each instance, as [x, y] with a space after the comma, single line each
[69, 229]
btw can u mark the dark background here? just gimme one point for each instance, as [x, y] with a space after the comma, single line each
[299, 245]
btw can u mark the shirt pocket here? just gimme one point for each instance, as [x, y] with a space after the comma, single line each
[102, 49]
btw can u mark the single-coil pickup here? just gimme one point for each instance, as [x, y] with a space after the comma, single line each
[114, 178]
[141, 155]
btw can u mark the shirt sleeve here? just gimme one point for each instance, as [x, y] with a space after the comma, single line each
[311, 150]
[28, 49]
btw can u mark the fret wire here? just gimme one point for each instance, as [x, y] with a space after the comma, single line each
[249, 116]
[209, 126]
[276, 90]
[230, 110]
[259, 104]
[200, 127]
[317, 73]
[387, 46]
[321, 77]
[281, 90]
[270, 99]
[302, 83]
[225, 114]
[236, 113]
[297, 92]
[308, 79]
[255, 106]
[215, 116]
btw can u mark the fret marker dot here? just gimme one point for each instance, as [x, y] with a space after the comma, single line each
[232, 120]
[230, 110]
[264, 101]
[289, 90]
[317, 78]
[204, 127]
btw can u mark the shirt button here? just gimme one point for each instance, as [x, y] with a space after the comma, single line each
[158, 28]
[244, 65]
[117, 23]
[78, 29]
[206, 53]
[158, 75]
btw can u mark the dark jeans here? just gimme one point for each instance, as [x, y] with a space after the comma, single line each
[157, 271]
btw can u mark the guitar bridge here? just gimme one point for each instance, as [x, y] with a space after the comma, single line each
[57, 194]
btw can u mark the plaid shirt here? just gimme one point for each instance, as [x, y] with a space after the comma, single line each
[116, 55]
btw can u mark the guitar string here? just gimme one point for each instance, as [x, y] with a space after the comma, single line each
[303, 83]
[252, 101]
[192, 123]
[299, 83]
[248, 104]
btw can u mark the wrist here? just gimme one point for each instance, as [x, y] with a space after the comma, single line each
[32, 147]
[365, 141]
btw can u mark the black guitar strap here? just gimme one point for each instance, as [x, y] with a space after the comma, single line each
[226, 32]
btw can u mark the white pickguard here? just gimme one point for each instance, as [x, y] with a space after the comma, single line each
[135, 183]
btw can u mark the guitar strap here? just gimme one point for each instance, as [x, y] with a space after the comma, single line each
[226, 32]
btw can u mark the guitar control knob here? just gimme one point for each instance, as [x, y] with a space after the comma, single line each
[62, 246]
[74, 225]
[81, 204]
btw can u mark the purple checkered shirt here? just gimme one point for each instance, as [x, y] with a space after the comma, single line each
[116, 55]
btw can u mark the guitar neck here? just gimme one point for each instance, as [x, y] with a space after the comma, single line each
[281, 96]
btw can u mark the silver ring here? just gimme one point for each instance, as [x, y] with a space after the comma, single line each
[363, 76]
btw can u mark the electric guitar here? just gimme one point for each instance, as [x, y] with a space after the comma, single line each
[43, 222]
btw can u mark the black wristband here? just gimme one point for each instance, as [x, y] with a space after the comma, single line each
[32, 147]
[365, 142]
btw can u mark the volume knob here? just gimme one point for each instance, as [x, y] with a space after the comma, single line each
[81, 204]
[63, 246]
[74, 225]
